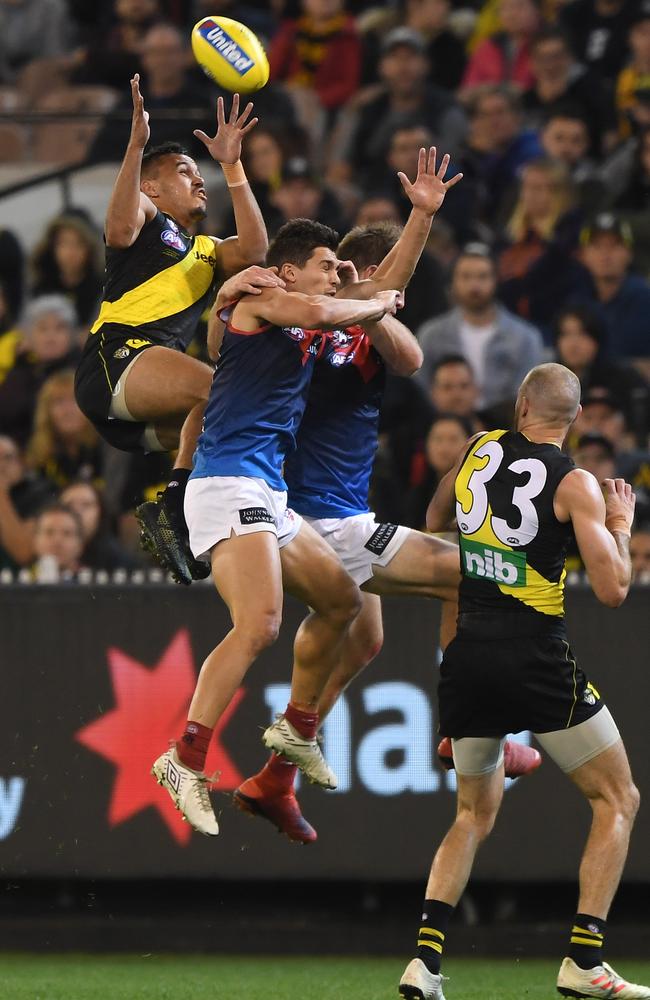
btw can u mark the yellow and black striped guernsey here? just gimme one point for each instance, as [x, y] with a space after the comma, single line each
[159, 285]
[512, 547]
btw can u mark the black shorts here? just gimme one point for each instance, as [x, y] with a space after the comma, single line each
[492, 686]
[102, 365]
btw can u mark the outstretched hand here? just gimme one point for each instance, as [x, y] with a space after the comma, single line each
[140, 130]
[250, 281]
[225, 146]
[428, 190]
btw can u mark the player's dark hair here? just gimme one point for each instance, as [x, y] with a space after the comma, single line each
[296, 240]
[153, 156]
[450, 359]
[368, 245]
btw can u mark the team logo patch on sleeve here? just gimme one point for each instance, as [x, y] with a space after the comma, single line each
[255, 515]
[380, 538]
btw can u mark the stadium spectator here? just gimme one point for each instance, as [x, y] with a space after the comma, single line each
[21, 496]
[536, 266]
[627, 180]
[496, 149]
[168, 88]
[636, 75]
[301, 195]
[500, 347]
[31, 29]
[621, 299]
[114, 53]
[580, 339]
[50, 345]
[565, 139]
[444, 443]
[598, 32]
[101, 549]
[377, 208]
[64, 446]
[596, 453]
[453, 390]
[405, 98]
[560, 81]
[68, 260]
[505, 56]
[444, 49]
[318, 57]
[9, 337]
[601, 414]
[58, 544]
[640, 552]
[259, 15]
[11, 271]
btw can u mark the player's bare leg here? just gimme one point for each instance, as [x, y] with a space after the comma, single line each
[168, 391]
[478, 801]
[362, 643]
[606, 782]
[248, 576]
[313, 573]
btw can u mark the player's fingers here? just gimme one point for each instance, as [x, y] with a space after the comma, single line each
[406, 184]
[205, 139]
[252, 123]
[454, 180]
[609, 485]
[443, 166]
[244, 115]
[422, 161]
[221, 118]
[431, 165]
[234, 111]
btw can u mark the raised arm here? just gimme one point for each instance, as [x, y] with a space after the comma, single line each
[426, 194]
[311, 312]
[129, 208]
[602, 528]
[442, 509]
[396, 344]
[250, 244]
[251, 281]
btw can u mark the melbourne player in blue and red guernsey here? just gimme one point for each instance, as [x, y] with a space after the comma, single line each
[236, 509]
[329, 475]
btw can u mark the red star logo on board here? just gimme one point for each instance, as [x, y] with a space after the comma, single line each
[150, 709]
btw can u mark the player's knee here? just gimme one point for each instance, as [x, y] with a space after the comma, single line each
[342, 603]
[480, 818]
[630, 802]
[260, 633]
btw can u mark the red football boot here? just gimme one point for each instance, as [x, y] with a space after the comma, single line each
[280, 807]
[518, 759]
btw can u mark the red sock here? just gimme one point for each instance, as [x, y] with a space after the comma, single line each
[192, 748]
[278, 774]
[306, 723]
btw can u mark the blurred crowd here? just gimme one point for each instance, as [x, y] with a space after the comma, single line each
[541, 252]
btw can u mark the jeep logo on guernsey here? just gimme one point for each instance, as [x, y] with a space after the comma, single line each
[499, 565]
[226, 47]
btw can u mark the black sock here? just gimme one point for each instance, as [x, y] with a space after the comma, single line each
[431, 937]
[174, 496]
[587, 935]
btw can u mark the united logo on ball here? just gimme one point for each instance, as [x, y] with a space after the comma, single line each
[230, 53]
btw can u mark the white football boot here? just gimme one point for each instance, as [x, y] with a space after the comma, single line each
[601, 981]
[188, 790]
[283, 739]
[418, 983]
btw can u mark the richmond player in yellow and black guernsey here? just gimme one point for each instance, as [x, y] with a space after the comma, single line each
[134, 382]
[518, 500]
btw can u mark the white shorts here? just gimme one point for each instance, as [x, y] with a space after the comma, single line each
[360, 542]
[218, 506]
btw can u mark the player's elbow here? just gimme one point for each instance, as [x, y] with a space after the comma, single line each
[119, 237]
[409, 362]
[612, 595]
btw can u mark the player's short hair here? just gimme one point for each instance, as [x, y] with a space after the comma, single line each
[368, 245]
[152, 157]
[296, 240]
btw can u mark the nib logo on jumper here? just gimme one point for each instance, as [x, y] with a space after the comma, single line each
[150, 709]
